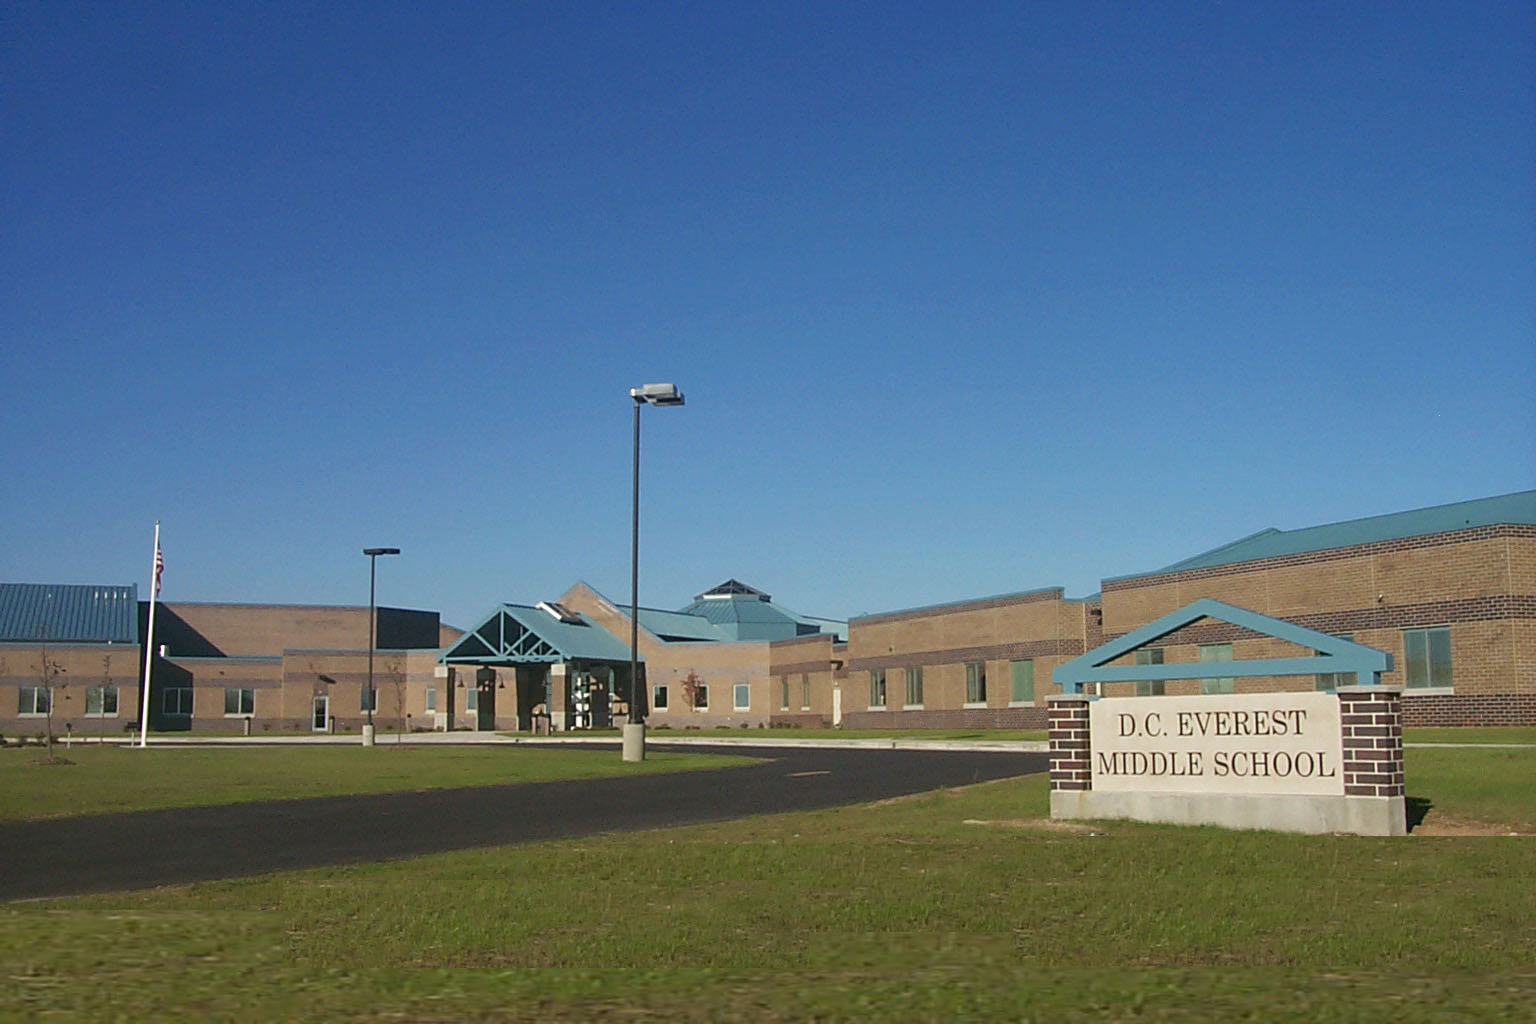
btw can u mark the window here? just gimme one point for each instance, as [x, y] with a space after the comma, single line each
[369, 700]
[1334, 680]
[976, 682]
[1216, 652]
[877, 687]
[1150, 687]
[701, 697]
[32, 700]
[805, 691]
[1022, 675]
[915, 686]
[1427, 653]
[238, 701]
[176, 700]
[659, 698]
[783, 693]
[101, 701]
[431, 698]
[741, 698]
[471, 698]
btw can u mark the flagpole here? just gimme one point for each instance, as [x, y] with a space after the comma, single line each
[149, 643]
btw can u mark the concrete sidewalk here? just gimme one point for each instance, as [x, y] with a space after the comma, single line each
[654, 739]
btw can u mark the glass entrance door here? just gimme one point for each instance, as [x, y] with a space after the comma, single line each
[322, 713]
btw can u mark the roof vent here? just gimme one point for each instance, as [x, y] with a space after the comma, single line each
[561, 612]
[732, 588]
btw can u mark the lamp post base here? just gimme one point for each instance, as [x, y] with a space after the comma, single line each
[367, 735]
[634, 741]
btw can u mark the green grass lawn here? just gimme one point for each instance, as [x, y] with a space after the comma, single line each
[961, 905]
[111, 778]
[1497, 734]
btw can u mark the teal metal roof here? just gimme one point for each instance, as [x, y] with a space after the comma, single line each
[677, 626]
[68, 613]
[732, 611]
[740, 612]
[518, 634]
[1519, 507]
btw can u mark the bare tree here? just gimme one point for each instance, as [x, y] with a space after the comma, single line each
[48, 672]
[692, 687]
[394, 670]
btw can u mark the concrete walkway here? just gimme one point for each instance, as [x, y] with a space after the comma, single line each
[655, 739]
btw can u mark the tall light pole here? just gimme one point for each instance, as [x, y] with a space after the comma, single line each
[634, 729]
[373, 561]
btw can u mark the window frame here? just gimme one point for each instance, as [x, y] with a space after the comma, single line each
[737, 703]
[40, 707]
[245, 701]
[877, 689]
[1014, 690]
[805, 691]
[975, 684]
[1217, 685]
[182, 693]
[914, 682]
[659, 697]
[1151, 687]
[1432, 682]
[100, 693]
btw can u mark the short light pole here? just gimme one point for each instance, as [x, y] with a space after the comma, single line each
[373, 561]
[634, 729]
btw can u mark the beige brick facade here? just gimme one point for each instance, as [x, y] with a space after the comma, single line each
[947, 643]
[1479, 584]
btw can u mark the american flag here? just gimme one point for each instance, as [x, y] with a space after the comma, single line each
[159, 568]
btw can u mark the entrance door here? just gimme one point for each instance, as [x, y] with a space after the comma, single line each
[322, 713]
[485, 709]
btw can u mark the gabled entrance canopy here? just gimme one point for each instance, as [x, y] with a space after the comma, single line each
[519, 635]
[1333, 654]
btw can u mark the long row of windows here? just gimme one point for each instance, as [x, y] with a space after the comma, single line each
[1426, 663]
[1021, 675]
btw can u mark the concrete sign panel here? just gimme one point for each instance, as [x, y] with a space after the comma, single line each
[1262, 743]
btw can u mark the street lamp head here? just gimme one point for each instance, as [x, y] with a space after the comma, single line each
[371, 552]
[657, 394]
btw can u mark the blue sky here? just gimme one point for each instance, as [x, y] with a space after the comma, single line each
[965, 299]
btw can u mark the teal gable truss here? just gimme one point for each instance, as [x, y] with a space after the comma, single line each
[1334, 655]
[519, 635]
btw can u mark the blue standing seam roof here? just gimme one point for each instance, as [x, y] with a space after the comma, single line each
[1519, 507]
[69, 613]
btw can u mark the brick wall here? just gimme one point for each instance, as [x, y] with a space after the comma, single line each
[1371, 721]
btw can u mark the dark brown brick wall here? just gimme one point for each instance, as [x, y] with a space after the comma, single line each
[1469, 710]
[1071, 746]
[956, 718]
[1372, 727]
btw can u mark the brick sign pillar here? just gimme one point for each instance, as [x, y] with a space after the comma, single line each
[1371, 718]
[1071, 746]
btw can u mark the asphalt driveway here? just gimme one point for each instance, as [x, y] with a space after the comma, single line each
[110, 852]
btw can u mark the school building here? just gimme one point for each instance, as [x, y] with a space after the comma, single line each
[1449, 592]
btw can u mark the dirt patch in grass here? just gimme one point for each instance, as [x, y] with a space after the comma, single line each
[1439, 824]
[1036, 825]
[51, 761]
